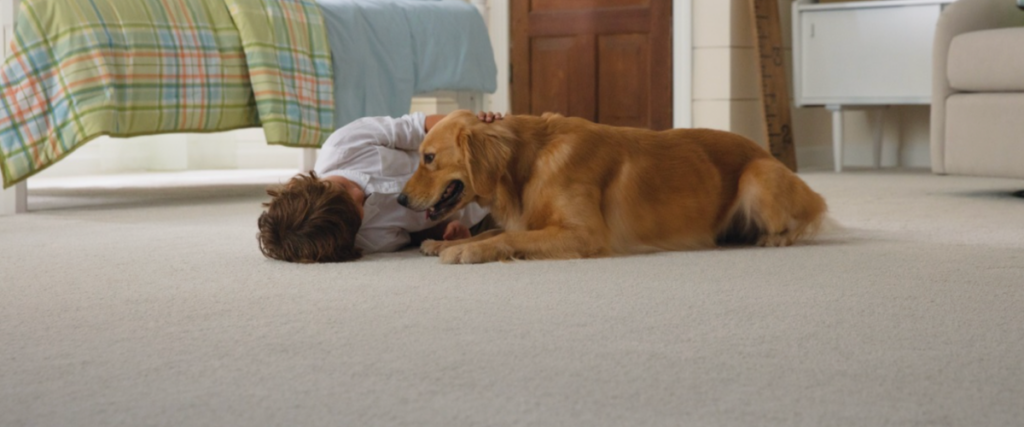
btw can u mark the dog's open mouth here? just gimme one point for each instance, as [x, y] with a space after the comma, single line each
[449, 199]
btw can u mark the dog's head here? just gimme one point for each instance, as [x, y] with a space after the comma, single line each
[461, 161]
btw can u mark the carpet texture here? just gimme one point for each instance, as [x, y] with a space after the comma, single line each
[153, 307]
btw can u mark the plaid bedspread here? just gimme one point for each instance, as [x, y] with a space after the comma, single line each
[80, 69]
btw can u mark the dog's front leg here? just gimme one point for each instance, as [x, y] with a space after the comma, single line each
[549, 243]
[434, 247]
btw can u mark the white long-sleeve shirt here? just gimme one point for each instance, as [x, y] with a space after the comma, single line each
[380, 154]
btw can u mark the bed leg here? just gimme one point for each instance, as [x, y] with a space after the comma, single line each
[14, 200]
[307, 159]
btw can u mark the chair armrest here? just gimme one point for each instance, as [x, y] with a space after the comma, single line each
[963, 16]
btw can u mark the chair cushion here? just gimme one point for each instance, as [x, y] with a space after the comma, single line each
[983, 134]
[987, 61]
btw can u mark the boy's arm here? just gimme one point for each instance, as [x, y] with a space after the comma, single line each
[451, 230]
[432, 120]
[404, 133]
[484, 116]
[353, 147]
[407, 132]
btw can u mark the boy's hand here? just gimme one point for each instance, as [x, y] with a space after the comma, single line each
[456, 231]
[488, 117]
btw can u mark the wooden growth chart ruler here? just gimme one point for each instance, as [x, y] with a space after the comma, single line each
[774, 85]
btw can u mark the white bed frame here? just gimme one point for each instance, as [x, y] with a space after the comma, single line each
[15, 199]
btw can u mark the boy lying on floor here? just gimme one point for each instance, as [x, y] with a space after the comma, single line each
[349, 204]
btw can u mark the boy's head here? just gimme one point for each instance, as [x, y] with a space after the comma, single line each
[310, 220]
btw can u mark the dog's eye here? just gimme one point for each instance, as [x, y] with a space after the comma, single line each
[427, 158]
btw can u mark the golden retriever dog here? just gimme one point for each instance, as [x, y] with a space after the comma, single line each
[564, 188]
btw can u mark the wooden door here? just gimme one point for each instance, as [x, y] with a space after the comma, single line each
[609, 61]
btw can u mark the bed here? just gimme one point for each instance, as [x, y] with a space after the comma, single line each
[79, 69]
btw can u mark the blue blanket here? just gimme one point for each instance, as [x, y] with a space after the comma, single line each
[386, 51]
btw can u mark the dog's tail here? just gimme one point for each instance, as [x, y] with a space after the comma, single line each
[774, 207]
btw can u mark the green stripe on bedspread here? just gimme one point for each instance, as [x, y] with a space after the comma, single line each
[79, 69]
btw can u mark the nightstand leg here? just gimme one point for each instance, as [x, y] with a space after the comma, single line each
[307, 159]
[879, 123]
[837, 135]
[14, 200]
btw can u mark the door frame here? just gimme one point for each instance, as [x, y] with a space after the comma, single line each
[499, 17]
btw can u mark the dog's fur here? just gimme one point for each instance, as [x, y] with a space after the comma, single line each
[569, 188]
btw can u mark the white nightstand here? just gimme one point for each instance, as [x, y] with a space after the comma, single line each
[864, 54]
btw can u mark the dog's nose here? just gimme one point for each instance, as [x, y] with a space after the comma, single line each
[403, 200]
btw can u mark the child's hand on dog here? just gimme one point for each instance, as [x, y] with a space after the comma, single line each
[489, 117]
[456, 231]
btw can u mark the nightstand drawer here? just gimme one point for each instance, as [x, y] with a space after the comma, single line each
[868, 55]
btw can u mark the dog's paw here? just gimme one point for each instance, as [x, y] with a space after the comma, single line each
[432, 247]
[775, 240]
[455, 255]
[473, 253]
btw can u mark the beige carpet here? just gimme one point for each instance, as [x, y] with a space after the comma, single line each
[153, 306]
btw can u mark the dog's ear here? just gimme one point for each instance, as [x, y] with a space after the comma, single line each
[486, 149]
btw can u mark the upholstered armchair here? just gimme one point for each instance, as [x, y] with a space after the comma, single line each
[977, 125]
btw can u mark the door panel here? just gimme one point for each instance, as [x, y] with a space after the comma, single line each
[539, 5]
[623, 75]
[556, 85]
[609, 61]
[585, 22]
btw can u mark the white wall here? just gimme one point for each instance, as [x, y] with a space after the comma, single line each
[242, 149]
[683, 78]
[499, 27]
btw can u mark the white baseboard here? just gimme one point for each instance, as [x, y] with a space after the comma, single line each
[913, 154]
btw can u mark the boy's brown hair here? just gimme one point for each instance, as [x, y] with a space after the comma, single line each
[310, 221]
